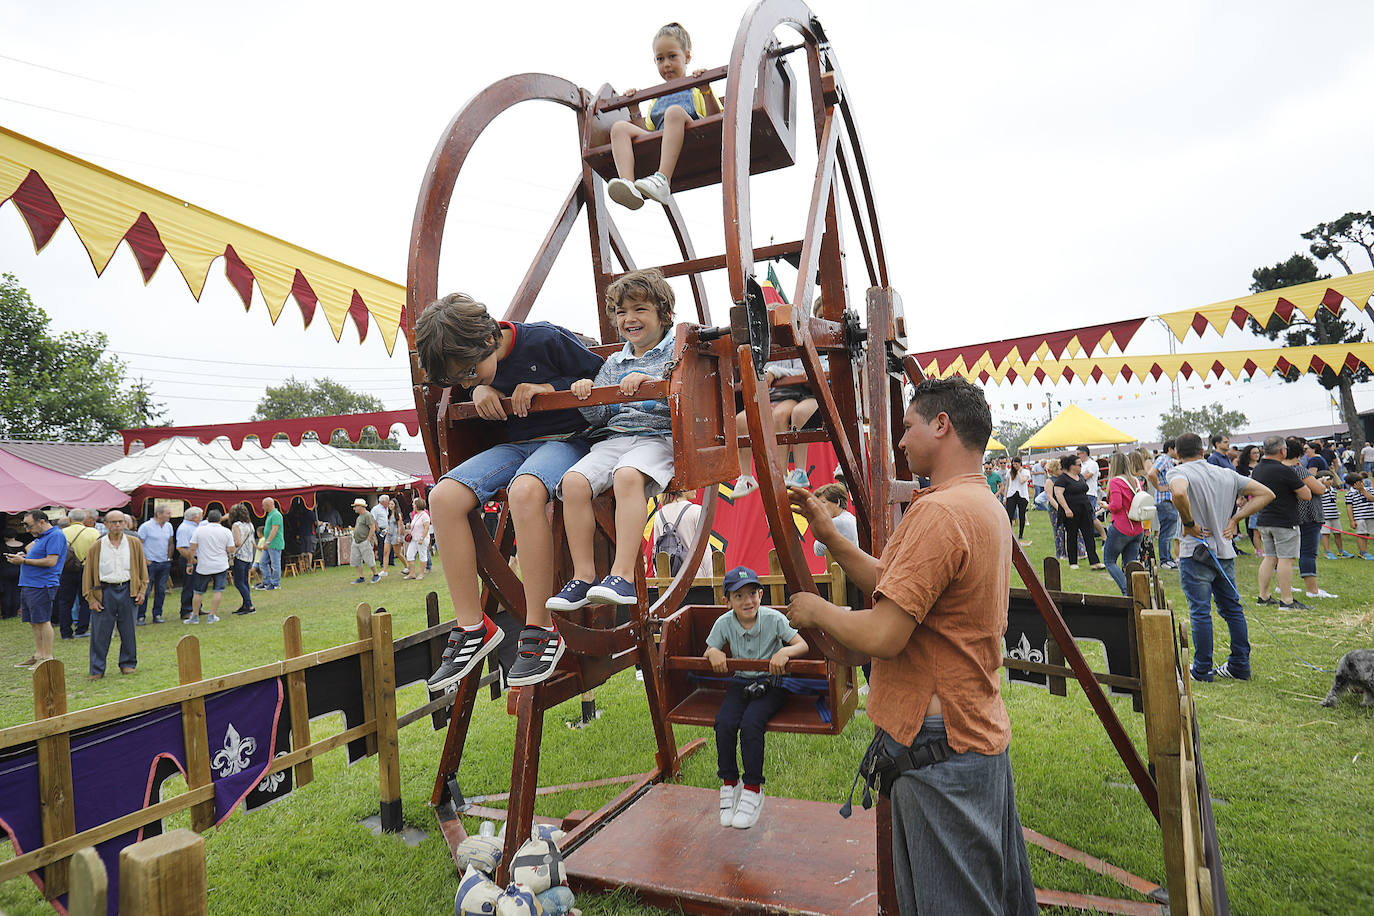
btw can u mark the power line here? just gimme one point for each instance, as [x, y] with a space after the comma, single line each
[141, 130]
[231, 362]
[89, 79]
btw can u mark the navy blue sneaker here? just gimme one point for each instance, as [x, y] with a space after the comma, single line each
[613, 590]
[1224, 671]
[572, 597]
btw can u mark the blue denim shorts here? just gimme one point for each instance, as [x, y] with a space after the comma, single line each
[36, 602]
[215, 582]
[548, 460]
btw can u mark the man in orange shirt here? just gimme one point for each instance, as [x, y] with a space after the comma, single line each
[935, 634]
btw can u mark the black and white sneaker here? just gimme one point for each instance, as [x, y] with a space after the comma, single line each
[465, 652]
[539, 652]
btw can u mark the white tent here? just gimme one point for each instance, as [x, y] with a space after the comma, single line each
[186, 468]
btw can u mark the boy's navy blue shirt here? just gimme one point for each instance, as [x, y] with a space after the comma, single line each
[543, 354]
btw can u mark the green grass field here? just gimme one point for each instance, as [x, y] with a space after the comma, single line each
[1293, 782]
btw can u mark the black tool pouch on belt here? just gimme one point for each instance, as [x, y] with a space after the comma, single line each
[879, 770]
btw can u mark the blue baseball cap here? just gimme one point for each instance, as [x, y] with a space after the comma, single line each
[740, 576]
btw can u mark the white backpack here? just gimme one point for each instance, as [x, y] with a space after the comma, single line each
[1143, 507]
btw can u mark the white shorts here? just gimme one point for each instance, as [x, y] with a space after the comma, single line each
[417, 549]
[652, 456]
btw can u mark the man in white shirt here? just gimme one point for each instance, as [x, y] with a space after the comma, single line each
[212, 549]
[381, 514]
[1367, 456]
[114, 580]
[189, 521]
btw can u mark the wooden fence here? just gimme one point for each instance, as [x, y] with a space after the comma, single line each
[53, 725]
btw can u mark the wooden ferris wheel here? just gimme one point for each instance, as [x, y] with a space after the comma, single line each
[854, 355]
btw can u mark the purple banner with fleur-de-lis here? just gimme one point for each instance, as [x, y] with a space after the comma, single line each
[119, 768]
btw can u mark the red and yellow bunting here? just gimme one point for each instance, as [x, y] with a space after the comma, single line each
[47, 185]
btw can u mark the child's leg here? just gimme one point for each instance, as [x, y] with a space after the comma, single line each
[631, 514]
[579, 524]
[801, 415]
[449, 505]
[782, 422]
[622, 150]
[529, 500]
[753, 728]
[746, 456]
[728, 719]
[675, 121]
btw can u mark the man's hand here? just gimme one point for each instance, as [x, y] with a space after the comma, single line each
[716, 658]
[805, 608]
[778, 663]
[486, 400]
[1229, 532]
[1068, 513]
[14, 558]
[630, 383]
[138, 599]
[96, 605]
[524, 393]
[814, 511]
[581, 388]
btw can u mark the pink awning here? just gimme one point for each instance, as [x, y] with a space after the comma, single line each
[25, 485]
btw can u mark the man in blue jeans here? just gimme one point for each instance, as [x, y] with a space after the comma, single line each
[157, 536]
[1205, 496]
[1165, 513]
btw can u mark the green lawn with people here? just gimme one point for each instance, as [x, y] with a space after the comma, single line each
[1292, 782]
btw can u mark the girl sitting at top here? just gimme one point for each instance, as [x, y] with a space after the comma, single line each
[669, 113]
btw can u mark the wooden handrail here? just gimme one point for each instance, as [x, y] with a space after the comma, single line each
[652, 92]
[562, 400]
[798, 667]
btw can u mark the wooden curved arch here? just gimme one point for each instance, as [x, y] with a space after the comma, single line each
[431, 213]
[672, 596]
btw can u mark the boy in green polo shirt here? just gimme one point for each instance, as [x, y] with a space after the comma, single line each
[756, 632]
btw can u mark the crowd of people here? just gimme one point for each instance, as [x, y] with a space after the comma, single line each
[1090, 506]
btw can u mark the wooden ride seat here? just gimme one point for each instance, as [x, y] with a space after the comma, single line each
[693, 697]
[773, 137]
[698, 391]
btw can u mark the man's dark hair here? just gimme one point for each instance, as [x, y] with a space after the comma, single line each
[1217, 437]
[1188, 445]
[1168, 444]
[213, 516]
[38, 515]
[960, 400]
[1084, 449]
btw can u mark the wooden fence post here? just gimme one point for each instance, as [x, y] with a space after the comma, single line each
[777, 592]
[164, 876]
[304, 771]
[1160, 689]
[193, 726]
[1057, 684]
[54, 773]
[90, 885]
[718, 575]
[384, 704]
[366, 664]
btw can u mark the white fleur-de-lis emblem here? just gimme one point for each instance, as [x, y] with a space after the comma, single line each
[236, 754]
[273, 781]
[1023, 651]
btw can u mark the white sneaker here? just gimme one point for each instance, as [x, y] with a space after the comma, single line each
[382, 573]
[1073, 566]
[729, 798]
[748, 809]
[624, 193]
[797, 478]
[745, 485]
[192, 619]
[1320, 593]
[655, 187]
[213, 618]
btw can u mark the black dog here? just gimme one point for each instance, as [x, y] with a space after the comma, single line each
[1355, 672]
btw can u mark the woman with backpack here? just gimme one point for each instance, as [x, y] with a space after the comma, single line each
[676, 525]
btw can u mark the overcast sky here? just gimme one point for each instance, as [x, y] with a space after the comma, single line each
[1037, 166]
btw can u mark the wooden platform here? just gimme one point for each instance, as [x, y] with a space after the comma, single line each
[669, 847]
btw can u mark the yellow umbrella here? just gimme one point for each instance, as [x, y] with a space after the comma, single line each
[994, 445]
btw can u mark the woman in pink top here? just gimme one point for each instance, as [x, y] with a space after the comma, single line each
[1123, 535]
